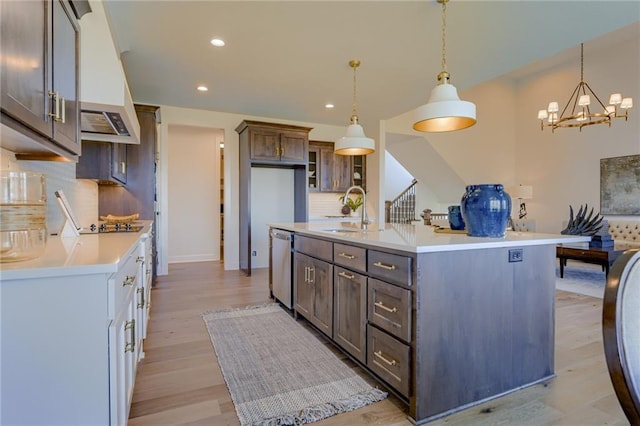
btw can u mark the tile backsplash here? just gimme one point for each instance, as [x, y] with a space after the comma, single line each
[81, 193]
[323, 204]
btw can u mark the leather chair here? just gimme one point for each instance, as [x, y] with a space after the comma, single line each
[621, 331]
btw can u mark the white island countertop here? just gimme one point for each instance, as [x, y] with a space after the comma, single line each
[85, 254]
[421, 238]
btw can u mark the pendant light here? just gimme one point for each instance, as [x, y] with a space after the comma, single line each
[444, 112]
[354, 142]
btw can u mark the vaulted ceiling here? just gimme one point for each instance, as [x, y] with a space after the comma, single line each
[286, 59]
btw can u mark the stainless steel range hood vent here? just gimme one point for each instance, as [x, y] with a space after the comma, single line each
[107, 112]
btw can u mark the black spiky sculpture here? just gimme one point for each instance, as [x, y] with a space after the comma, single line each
[581, 225]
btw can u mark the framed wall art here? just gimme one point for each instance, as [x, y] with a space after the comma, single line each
[620, 185]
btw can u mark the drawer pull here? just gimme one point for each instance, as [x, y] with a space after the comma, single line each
[381, 306]
[347, 256]
[345, 275]
[312, 278]
[383, 266]
[129, 280]
[386, 361]
[141, 304]
[131, 326]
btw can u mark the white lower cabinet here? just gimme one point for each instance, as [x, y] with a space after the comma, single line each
[71, 343]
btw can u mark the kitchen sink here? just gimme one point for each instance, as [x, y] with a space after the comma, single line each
[339, 230]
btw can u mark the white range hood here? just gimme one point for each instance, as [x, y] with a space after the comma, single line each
[107, 112]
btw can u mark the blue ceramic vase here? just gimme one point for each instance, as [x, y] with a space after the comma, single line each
[455, 218]
[485, 210]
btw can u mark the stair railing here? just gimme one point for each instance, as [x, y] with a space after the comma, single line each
[402, 209]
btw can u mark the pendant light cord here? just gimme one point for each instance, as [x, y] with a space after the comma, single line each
[581, 61]
[444, 38]
[354, 112]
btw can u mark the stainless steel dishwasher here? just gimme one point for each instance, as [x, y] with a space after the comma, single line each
[281, 283]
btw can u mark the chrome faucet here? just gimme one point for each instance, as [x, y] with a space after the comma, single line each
[364, 220]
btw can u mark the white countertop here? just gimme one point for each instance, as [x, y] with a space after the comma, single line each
[85, 254]
[421, 238]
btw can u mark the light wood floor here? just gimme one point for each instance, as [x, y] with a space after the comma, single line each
[179, 381]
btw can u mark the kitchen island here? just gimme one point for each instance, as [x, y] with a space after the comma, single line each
[446, 321]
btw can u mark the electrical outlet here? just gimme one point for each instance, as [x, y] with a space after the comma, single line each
[515, 255]
[254, 253]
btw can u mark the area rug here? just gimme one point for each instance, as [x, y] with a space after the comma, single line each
[278, 372]
[582, 278]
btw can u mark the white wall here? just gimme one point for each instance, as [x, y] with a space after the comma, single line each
[397, 177]
[193, 196]
[271, 201]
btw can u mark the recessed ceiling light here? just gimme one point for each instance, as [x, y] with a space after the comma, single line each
[329, 106]
[202, 88]
[218, 42]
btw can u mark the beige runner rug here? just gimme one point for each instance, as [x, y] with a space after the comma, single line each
[278, 373]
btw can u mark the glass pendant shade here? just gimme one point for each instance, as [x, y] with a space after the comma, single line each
[354, 142]
[444, 112]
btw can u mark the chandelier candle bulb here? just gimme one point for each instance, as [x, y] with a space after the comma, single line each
[615, 99]
[584, 100]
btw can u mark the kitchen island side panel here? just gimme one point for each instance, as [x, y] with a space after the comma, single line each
[484, 326]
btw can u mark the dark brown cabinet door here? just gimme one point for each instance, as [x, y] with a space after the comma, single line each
[25, 70]
[341, 172]
[358, 170]
[40, 59]
[119, 162]
[293, 147]
[265, 145]
[322, 283]
[303, 292]
[335, 171]
[65, 60]
[350, 312]
[313, 169]
[313, 291]
[103, 161]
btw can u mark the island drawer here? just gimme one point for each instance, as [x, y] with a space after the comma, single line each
[389, 358]
[320, 249]
[123, 282]
[352, 257]
[389, 267]
[390, 308]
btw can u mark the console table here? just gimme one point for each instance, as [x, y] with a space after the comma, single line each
[603, 256]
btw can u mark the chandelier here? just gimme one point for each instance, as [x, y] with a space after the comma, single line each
[354, 142]
[583, 112]
[444, 111]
